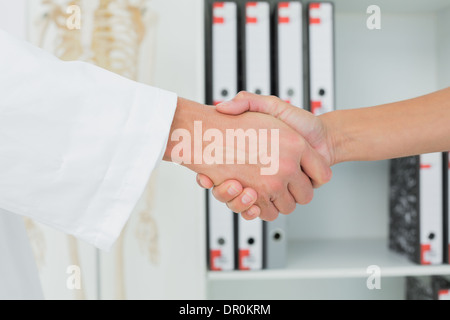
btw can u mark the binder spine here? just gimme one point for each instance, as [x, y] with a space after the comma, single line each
[441, 287]
[275, 244]
[419, 288]
[289, 54]
[221, 238]
[446, 175]
[435, 287]
[250, 240]
[431, 209]
[256, 69]
[404, 221]
[224, 51]
[416, 208]
[288, 60]
[321, 57]
[222, 84]
[257, 59]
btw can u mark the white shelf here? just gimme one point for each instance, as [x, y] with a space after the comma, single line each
[322, 259]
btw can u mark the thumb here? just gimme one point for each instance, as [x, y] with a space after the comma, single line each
[302, 121]
[246, 101]
[234, 107]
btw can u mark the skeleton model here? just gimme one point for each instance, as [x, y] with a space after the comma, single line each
[117, 32]
[117, 36]
[68, 42]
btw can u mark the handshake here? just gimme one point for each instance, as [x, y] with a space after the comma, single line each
[260, 154]
[272, 172]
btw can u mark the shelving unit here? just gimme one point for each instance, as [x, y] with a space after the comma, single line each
[333, 240]
[324, 259]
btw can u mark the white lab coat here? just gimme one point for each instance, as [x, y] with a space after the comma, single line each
[77, 146]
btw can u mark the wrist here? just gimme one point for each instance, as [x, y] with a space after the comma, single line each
[337, 137]
[189, 122]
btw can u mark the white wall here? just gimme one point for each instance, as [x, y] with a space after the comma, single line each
[13, 18]
[443, 36]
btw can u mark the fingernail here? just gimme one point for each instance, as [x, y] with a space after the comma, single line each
[252, 212]
[232, 191]
[246, 199]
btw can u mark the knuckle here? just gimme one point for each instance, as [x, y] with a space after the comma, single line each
[317, 185]
[288, 169]
[276, 188]
[272, 216]
[290, 207]
[307, 197]
[246, 216]
[324, 178]
[328, 176]
[298, 142]
[291, 168]
[268, 211]
[263, 201]
[233, 208]
[236, 207]
[218, 193]
[274, 99]
[242, 94]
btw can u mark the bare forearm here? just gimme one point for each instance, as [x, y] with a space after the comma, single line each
[410, 127]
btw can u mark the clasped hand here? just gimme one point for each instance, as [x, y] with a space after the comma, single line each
[305, 157]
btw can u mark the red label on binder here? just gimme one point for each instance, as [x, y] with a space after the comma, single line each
[243, 254]
[282, 19]
[214, 255]
[424, 248]
[313, 20]
[218, 20]
[315, 105]
[444, 294]
[251, 19]
[425, 166]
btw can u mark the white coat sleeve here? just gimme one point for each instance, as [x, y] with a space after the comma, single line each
[77, 143]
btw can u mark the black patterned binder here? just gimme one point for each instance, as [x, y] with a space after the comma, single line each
[436, 287]
[404, 218]
[416, 226]
[441, 287]
[419, 288]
